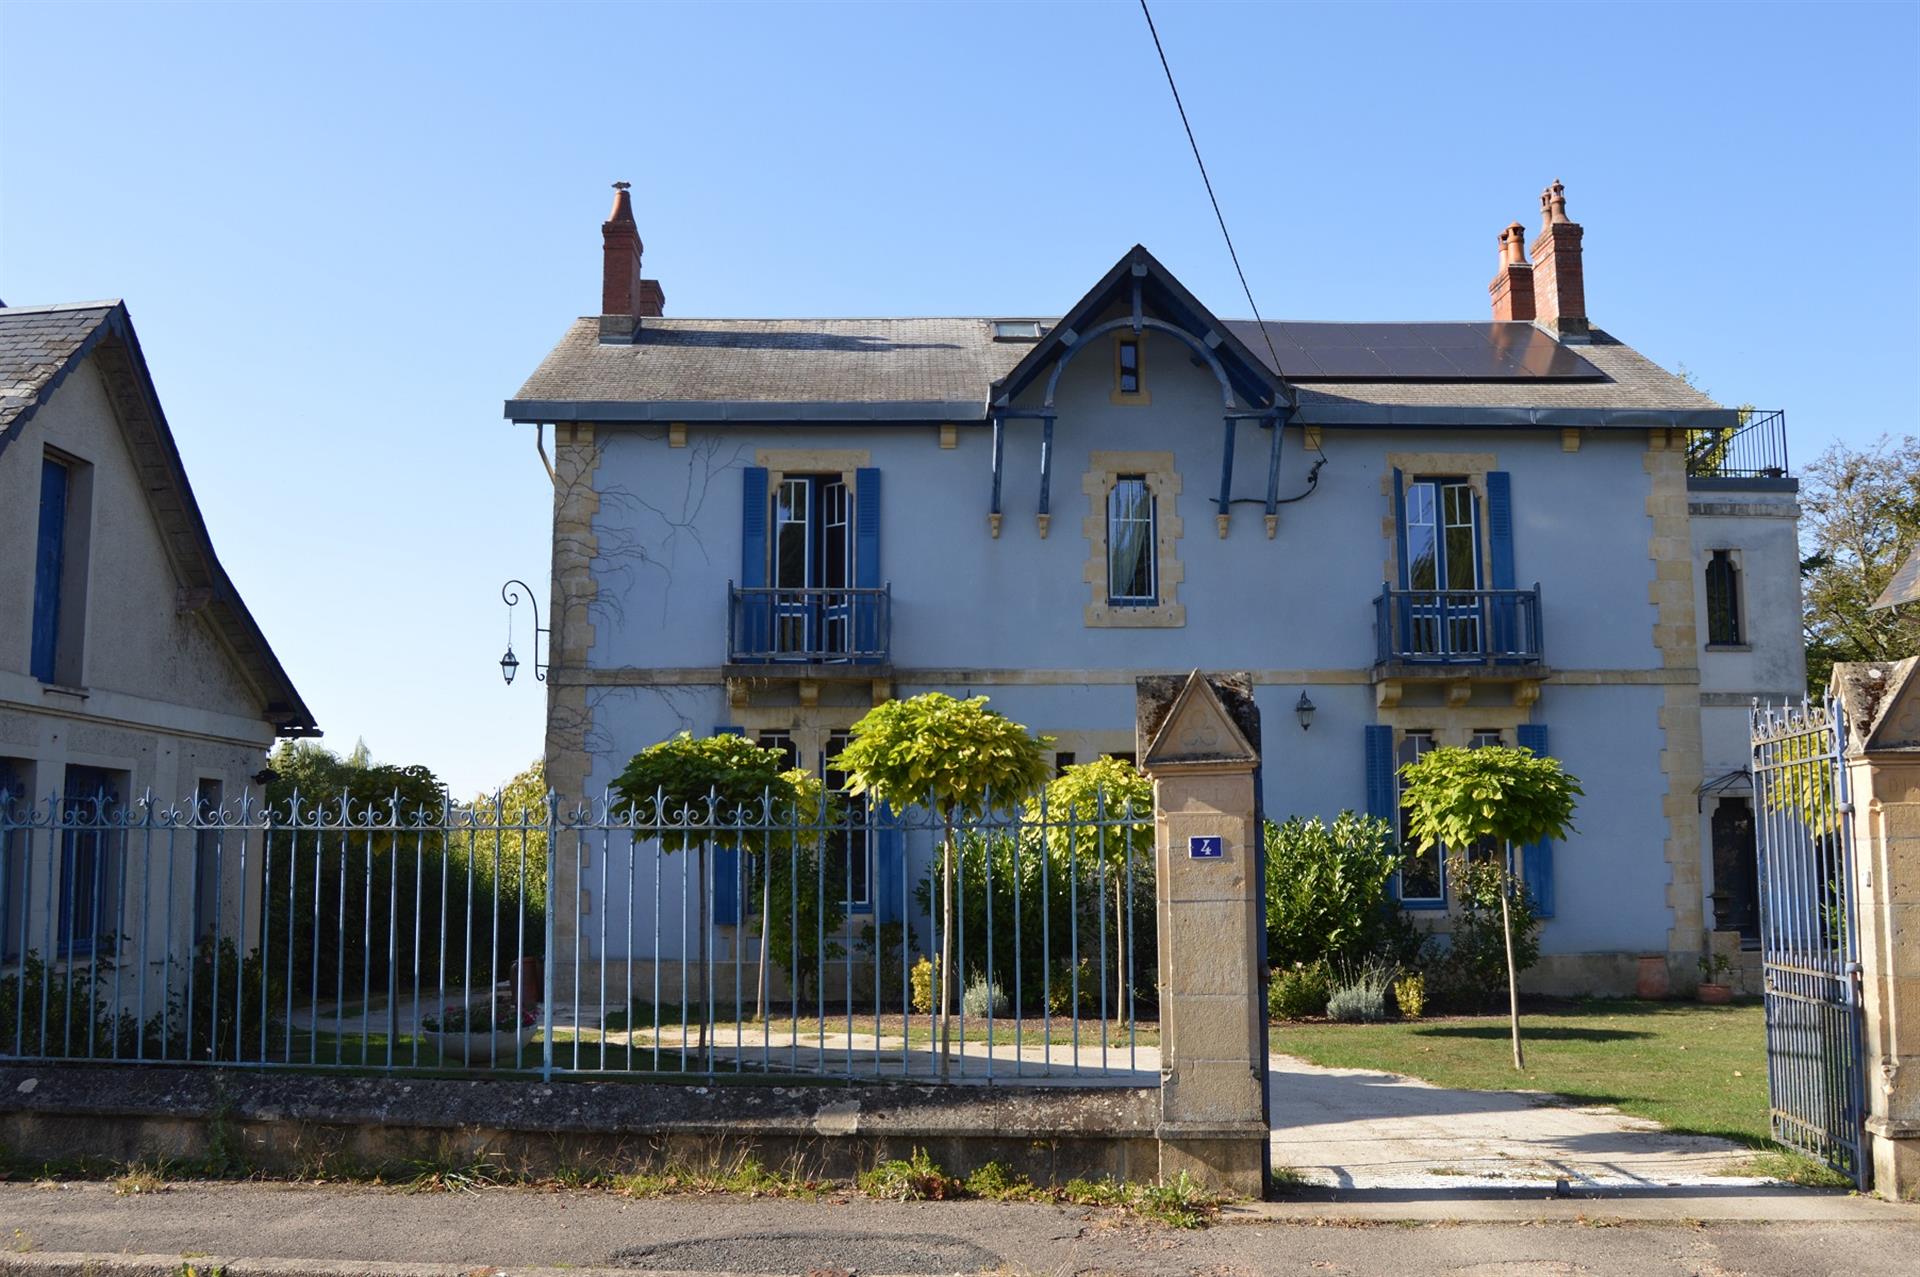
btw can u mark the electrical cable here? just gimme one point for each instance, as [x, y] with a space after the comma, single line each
[1285, 385]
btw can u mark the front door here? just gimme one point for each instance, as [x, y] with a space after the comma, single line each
[812, 566]
[1443, 570]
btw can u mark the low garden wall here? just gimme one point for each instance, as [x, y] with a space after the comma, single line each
[306, 1125]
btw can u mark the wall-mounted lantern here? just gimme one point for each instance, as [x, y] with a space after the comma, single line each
[1303, 710]
[510, 664]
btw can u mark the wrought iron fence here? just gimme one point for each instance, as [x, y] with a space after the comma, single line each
[1810, 956]
[662, 938]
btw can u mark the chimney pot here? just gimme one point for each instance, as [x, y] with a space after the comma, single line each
[1512, 286]
[1560, 290]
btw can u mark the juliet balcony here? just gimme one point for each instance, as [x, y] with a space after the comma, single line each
[832, 632]
[1457, 638]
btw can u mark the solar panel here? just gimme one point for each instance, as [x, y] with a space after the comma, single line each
[1416, 352]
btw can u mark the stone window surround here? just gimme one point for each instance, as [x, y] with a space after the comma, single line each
[1414, 466]
[1163, 481]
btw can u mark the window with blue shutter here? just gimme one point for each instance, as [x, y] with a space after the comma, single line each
[1536, 858]
[49, 562]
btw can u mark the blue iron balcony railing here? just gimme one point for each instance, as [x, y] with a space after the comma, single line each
[1491, 628]
[846, 626]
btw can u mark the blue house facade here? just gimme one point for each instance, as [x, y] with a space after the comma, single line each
[1516, 531]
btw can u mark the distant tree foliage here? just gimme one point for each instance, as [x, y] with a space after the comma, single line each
[1860, 518]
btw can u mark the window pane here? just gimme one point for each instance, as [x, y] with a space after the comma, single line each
[1423, 551]
[1421, 877]
[1130, 547]
[1723, 600]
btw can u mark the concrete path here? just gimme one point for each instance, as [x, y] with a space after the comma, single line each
[1363, 1129]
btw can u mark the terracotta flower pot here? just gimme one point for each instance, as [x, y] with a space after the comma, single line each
[1653, 982]
[1716, 994]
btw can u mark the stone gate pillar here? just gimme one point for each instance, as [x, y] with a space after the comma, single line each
[1882, 700]
[1199, 739]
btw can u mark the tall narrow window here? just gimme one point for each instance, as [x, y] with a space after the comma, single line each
[90, 854]
[1126, 367]
[1131, 578]
[1443, 568]
[49, 562]
[1422, 878]
[1723, 600]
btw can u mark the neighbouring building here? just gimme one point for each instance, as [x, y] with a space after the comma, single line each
[1515, 530]
[129, 666]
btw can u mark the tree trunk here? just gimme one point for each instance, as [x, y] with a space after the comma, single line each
[1513, 981]
[766, 936]
[946, 948]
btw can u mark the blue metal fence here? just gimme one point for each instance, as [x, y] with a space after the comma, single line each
[668, 938]
[1810, 953]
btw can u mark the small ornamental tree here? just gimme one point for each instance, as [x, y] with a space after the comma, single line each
[1106, 789]
[689, 785]
[959, 758]
[1460, 798]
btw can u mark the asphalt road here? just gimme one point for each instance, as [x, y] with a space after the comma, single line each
[514, 1229]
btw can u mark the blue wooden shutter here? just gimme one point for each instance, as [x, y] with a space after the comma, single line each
[751, 631]
[866, 558]
[726, 863]
[47, 569]
[1536, 858]
[1500, 547]
[1383, 789]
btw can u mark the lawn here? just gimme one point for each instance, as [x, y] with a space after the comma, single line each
[1695, 1069]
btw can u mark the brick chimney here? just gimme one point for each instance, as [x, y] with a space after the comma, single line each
[1559, 283]
[625, 298]
[1512, 287]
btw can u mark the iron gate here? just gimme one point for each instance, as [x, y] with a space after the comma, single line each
[1809, 940]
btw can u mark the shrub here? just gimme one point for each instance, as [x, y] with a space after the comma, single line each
[1360, 992]
[1298, 991]
[1472, 974]
[923, 977]
[982, 999]
[997, 1182]
[1060, 990]
[1410, 995]
[916, 1179]
[1327, 887]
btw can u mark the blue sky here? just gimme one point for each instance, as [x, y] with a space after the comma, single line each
[347, 232]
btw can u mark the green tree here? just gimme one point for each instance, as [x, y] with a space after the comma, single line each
[959, 758]
[1860, 518]
[1327, 887]
[1105, 790]
[725, 780]
[1462, 798]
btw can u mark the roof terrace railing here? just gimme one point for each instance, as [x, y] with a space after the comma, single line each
[1755, 449]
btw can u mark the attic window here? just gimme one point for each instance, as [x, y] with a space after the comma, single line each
[1016, 330]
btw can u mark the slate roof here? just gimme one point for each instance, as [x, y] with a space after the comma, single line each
[38, 344]
[39, 347]
[908, 369]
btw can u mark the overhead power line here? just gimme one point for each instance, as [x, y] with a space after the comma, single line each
[1215, 200]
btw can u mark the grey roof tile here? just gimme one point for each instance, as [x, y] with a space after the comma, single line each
[796, 362]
